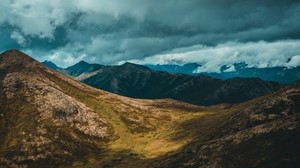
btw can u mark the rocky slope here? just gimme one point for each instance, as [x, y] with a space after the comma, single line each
[39, 122]
[261, 133]
[50, 120]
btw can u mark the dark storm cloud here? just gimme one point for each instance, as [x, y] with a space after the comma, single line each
[112, 31]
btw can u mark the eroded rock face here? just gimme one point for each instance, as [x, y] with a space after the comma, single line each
[59, 120]
[267, 110]
[56, 106]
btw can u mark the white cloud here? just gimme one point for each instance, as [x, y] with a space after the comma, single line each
[101, 45]
[260, 54]
[230, 68]
[134, 8]
[112, 31]
[41, 17]
[64, 59]
[110, 50]
[16, 35]
[294, 62]
[35, 17]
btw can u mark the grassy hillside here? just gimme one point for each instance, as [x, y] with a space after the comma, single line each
[50, 120]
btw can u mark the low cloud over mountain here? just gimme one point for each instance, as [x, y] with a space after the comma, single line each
[209, 32]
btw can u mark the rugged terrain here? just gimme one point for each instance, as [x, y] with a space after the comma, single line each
[279, 74]
[264, 132]
[50, 120]
[138, 81]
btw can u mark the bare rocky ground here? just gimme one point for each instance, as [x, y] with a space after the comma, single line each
[264, 132]
[50, 120]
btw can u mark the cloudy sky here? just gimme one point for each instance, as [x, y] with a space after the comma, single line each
[261, 33]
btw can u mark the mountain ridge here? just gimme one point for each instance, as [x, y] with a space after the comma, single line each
[47, 118]
[241, 70]
[279, 74]
[139, 81]
[50, 120]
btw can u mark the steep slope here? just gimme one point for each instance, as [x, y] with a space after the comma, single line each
[82, 67]
[51, 65]
[261, 133]
[141, 82]
[50, 120]
[40, 123]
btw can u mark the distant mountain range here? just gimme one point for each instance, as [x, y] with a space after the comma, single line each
[48, 119]
[279, 74]
[183, 69]
[139, 81]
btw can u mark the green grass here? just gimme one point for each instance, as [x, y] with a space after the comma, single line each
[179, 126]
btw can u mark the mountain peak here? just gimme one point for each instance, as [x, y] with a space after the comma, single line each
[17, 59]
[50, 64]
[129, 64]
[11, 51]
[80, 64]
[82, 67]
[14, 53]
[135, 66]
[49, 120]
[83, 62]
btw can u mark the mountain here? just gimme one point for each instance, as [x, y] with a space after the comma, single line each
[51, 65]
[138, 81]
[41, 124]
[141, 82]
[264, 132]
[184, 69]
[278, 74]
[50, 120]
[81, 68]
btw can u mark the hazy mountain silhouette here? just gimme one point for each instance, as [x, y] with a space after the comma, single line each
[278, 74]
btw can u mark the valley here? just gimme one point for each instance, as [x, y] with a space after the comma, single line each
[51, 120]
